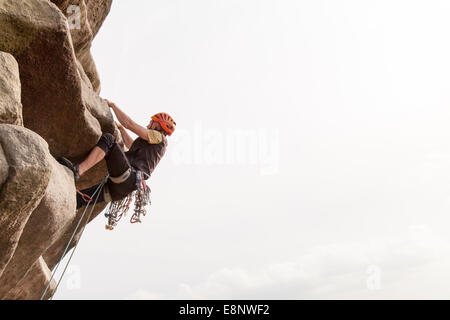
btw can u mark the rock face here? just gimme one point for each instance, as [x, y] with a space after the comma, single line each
[49, 107]
[33, 284]
[53, 254]
[55, 87]
[28, 164]
[85, 19]
[10, 106]
[52, 217]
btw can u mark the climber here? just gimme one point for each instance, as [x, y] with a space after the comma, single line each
[142, 156]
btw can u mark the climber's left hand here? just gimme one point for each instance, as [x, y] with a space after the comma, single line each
[110, 104]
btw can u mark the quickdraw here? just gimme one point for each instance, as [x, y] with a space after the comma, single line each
[84, 196]
[118, 209]
[142, 198]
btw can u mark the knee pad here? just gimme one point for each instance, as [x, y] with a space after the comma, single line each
[106, 142]
[109, 138]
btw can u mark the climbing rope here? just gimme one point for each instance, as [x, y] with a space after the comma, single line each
[96, 194]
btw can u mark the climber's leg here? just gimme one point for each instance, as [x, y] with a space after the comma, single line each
[94, 157]
[116, 160]
[108, 148]
[122, 177]
[73, 167]
[119, 169]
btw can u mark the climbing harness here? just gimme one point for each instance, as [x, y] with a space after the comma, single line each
[122, 178]
[118, 209]
[96, 194]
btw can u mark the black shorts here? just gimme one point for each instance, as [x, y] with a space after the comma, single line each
[117, 163]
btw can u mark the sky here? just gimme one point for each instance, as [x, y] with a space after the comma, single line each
[311, 158]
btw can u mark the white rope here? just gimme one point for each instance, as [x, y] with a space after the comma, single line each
[97, 192]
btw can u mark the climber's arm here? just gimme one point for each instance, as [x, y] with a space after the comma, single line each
[127, 122]
[141, 131]
[127, 139]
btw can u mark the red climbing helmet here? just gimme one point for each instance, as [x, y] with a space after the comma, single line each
[166, 122]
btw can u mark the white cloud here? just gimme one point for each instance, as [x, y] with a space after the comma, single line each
[340, 271]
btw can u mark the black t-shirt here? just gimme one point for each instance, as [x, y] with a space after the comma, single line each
[144, 156]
